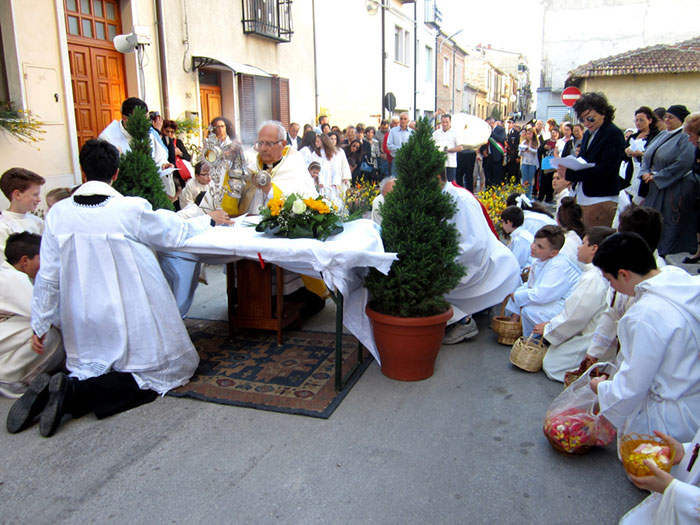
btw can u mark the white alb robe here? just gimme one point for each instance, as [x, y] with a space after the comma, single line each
[571, 330]
[12, 222]
[603, 344]
[520, 242]
[534, 221]
[101, 283]
[680, 502]
[658, 384]
[18, 362]
[549, 284]
[492, 270]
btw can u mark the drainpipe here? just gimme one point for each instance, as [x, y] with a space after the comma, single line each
[162, 59]
[313, 27]
[383, 60]
[437, 34]
[415, 60]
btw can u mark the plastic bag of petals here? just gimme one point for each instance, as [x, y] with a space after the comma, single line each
[572, 423]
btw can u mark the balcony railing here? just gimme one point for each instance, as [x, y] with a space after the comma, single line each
[268, 18]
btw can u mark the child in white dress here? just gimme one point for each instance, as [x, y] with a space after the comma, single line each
[520, 238]
[552, 279]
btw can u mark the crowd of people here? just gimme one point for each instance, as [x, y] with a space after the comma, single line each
[590, 279]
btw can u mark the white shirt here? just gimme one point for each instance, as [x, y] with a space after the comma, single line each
[520, 242]
[446, 139]
[12, 222]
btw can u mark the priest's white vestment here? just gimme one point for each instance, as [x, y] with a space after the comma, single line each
[542, 297]
[571, 330]
[680, 502]
[658, 384]
[492, 270]
[100, 281]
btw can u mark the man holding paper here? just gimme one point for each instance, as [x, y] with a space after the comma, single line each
[603, 146]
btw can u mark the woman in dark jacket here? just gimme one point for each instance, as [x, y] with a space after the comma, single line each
[691, 127]
[603, 144]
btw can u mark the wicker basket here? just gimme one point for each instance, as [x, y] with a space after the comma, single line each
[629, 442]
[525, 274]
[527, 354]
[507, 330]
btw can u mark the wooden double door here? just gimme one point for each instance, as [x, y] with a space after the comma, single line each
[98, 77]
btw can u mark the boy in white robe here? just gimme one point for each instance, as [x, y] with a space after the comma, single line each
[115, 133]
[646, 222]
[570, 332]
[492, 269]
[534, 215]
[19, 364]
[22, 188]
[520, 239]
[192, 193]
[552, 279]
[100, 281]
[561, 187]
[675, 497]
[657, 386]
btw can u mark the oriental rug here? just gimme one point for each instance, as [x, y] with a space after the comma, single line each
[252, 371]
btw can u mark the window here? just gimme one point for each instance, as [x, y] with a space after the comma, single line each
[428, 63]
[445, 71]
[458, 77]
[268, 18]
[402, 45]
[406, 47]
[260, 99]
[94, 19]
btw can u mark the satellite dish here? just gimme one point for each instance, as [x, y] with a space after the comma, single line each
[125, 43]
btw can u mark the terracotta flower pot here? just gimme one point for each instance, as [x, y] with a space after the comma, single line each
[408, 346]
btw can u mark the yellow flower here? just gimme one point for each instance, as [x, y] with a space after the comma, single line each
[319, 206]
[275, 206]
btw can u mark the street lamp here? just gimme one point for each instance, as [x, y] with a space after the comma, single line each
[372, 7]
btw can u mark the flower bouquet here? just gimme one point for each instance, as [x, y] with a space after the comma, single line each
[359, 197]
[296, 217]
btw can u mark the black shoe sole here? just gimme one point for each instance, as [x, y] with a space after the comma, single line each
[691, 260]
[30, 405]
[53, 412]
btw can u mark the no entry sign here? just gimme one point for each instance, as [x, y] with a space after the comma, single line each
[570, 95]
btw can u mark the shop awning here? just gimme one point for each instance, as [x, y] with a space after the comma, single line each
[214, 63]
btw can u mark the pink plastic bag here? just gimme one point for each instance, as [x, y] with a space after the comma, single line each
[572, 423]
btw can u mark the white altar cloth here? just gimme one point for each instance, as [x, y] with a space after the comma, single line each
[341, 261]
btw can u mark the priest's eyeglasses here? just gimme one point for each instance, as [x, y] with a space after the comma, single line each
[266, 144]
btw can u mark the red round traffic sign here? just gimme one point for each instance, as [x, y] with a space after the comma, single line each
[570, 95]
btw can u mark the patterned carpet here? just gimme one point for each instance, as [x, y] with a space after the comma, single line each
[252, 371]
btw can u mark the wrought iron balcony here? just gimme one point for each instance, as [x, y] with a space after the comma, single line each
[268, 18]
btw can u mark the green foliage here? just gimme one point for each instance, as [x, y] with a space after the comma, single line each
[189, 130]
[415, 224]
[20, 124]
[138, 174]
[496, 112]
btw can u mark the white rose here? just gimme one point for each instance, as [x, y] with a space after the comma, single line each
[298, 206]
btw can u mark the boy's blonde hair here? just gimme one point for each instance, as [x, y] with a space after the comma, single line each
[19, 179]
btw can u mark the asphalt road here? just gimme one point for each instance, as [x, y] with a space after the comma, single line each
[465, 446]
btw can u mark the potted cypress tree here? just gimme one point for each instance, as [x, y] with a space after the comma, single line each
[138, 174]
[407, 307]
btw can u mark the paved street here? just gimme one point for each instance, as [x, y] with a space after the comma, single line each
[465, 446]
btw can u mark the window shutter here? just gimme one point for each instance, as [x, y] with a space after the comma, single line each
[246, 96]
[284, 101]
